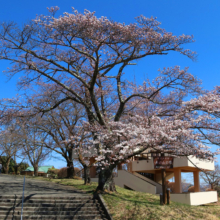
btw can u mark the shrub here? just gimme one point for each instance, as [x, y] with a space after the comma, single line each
[62, 172]
[23, 167]
[53, 172]
[217, 188]
[191, 189]
[209, 189]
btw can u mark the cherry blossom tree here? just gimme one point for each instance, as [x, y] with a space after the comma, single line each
[178, 135]
[85, 58]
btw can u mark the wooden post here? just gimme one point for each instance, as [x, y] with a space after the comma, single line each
[163, 174]
[161, 199]
[129, 166]
[168, 196]
[177, 175]
[196, 181]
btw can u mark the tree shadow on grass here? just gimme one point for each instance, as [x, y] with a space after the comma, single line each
[148, 209]
[147, 202]
[135, 212]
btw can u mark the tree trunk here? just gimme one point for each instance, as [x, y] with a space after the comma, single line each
[16, 169]
[6, 168]
[106, 180]
[36, 170]
[70, 169]
[87, 178]
[86, 170]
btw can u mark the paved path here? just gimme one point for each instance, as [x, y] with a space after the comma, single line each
[13, 185]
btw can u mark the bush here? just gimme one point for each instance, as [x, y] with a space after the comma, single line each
[191, 189]
[217, 188]
[63, 172]
[53, 172]
[209, 189]
[23, 167]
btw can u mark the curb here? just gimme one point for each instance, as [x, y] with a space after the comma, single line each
[104, 206]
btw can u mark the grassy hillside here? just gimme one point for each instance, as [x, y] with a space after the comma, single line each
[127, 204]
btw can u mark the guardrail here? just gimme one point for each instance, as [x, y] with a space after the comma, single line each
[22, 198]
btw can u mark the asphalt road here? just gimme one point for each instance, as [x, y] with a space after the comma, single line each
[13, 185]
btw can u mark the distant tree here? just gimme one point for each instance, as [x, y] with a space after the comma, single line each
[10, 144]
[34, 144]
[60, 125]
[7, 164]
[22, 166]
[212, 178]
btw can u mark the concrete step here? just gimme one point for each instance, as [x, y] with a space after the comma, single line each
[46, 205]
[45, 197]
[53, 217]
[45, 200]
[58, 213]
[51, 208]
[55, 208]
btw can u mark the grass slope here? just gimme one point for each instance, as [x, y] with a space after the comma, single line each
[127, 204]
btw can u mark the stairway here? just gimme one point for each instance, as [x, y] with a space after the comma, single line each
[137, 182]
[50, 207]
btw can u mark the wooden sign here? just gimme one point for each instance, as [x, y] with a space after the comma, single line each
[163, 162]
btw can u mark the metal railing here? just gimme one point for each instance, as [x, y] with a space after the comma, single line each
[22, 198]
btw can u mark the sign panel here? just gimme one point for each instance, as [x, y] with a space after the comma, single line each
[163, 162]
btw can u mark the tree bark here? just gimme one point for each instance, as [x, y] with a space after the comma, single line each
[87, 178]
[6, 168]
[16, 169]
[86, 169]
[106, 180]
[36, 170]
[70, 169]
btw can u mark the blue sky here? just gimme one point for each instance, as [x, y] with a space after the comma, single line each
[200, 18]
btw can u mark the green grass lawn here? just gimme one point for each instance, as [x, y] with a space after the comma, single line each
[127, 204]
